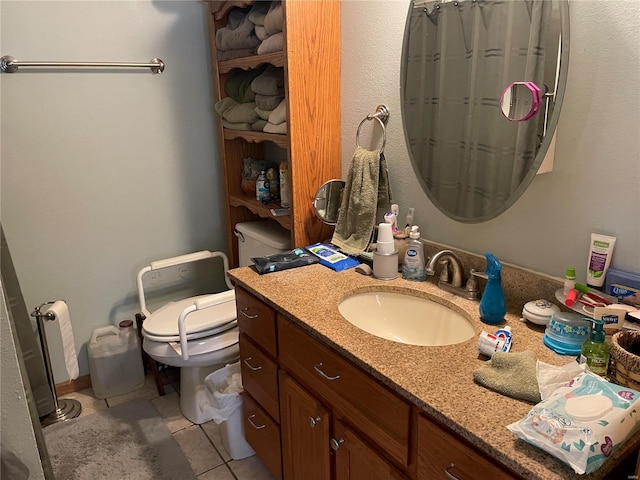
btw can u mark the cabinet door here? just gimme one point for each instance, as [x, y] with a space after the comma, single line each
[441, 455]
[355, 460]
[304, 424]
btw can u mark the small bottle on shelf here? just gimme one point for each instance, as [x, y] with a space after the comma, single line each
[262, 188]
[569, 281]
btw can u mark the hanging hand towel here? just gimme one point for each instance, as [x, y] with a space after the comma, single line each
[366, 190]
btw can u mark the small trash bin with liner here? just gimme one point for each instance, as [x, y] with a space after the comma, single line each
[223, 390]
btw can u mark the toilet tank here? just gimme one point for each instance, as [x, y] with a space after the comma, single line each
[259, 239]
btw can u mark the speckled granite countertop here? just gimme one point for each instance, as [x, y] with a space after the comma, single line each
[439, 380]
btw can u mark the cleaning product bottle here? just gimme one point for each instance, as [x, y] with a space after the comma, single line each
[492, 304]
[413, 267]
[595, 351]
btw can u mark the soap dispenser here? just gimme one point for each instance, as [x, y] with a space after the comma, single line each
[413, 266]
[492, 304]
[595, 351]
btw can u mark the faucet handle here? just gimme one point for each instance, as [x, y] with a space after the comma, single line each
[445, 274]
[472, 283]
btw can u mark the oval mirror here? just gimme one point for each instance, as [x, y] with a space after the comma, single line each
[327, 201]
[459, 58]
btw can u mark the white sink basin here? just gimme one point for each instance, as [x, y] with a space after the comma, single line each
[406, 319]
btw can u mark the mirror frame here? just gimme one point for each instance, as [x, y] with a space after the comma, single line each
[562, 73]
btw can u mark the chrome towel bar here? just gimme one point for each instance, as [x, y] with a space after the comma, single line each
[9, 64]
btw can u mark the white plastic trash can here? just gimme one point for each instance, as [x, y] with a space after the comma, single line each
[223, 389]
[260, 239]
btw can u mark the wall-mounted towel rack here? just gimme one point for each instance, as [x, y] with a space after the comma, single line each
[9, 64]
[381, 115]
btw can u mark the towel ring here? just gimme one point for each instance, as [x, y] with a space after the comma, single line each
[381, 115]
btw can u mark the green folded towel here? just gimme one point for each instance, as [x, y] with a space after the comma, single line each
[511, 374]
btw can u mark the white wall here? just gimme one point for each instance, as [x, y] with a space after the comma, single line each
[104, 171]
[595, 186]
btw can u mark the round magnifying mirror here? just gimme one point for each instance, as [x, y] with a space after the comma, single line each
[520, 101]
[327, 201]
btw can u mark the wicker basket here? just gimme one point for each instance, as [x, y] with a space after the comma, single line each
[627, 364]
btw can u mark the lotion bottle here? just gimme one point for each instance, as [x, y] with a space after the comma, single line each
[492, 305]
[413, 266]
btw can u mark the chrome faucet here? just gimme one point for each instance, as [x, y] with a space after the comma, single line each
[452, 280]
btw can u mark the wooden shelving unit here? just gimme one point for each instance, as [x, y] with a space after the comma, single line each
[311, 62]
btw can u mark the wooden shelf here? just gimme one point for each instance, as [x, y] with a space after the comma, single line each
[257, 137]
[260, 209]
[311, 63]
[245, 63]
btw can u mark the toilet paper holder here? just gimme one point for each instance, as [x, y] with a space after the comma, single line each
[66, 408]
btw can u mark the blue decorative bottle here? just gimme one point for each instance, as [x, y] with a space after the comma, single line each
[492, 305]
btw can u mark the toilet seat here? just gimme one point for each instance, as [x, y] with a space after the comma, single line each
[162, 325]
[210, 331]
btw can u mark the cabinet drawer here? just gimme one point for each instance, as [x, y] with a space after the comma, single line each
[354, 396]
[442, 455]
[258, 320]
[259, 376]
[263, 434]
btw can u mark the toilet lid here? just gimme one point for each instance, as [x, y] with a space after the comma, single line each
[164, 321]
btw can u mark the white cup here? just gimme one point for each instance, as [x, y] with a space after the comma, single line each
[385, 234]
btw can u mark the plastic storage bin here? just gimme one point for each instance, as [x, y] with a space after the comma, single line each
[115, 364]
[259, 239]
[227, 410]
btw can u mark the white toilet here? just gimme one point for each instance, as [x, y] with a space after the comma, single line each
[199, 334]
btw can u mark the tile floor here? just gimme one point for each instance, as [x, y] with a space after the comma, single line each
[201, 444]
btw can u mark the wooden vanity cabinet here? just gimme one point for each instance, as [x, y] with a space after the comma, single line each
[310, 414]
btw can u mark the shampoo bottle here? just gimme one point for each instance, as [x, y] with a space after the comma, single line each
[595, 351]
[413, 266]
[492, 304]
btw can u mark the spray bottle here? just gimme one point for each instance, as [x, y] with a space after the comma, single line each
[492, 304]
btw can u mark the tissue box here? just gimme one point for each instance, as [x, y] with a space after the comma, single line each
[623, 285]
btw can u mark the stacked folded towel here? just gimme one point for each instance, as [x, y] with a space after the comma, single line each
[255, 100]
[251, 30]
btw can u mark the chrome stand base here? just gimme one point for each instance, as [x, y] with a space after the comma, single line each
[68, 408]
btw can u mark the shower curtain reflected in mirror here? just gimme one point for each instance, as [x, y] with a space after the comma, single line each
[459, 57]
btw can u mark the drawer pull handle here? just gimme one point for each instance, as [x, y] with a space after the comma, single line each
[244, 312]
[313, 421]
[246, 362]
[257, 427]
[335, 444]
[324, 375]
[449, 474]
